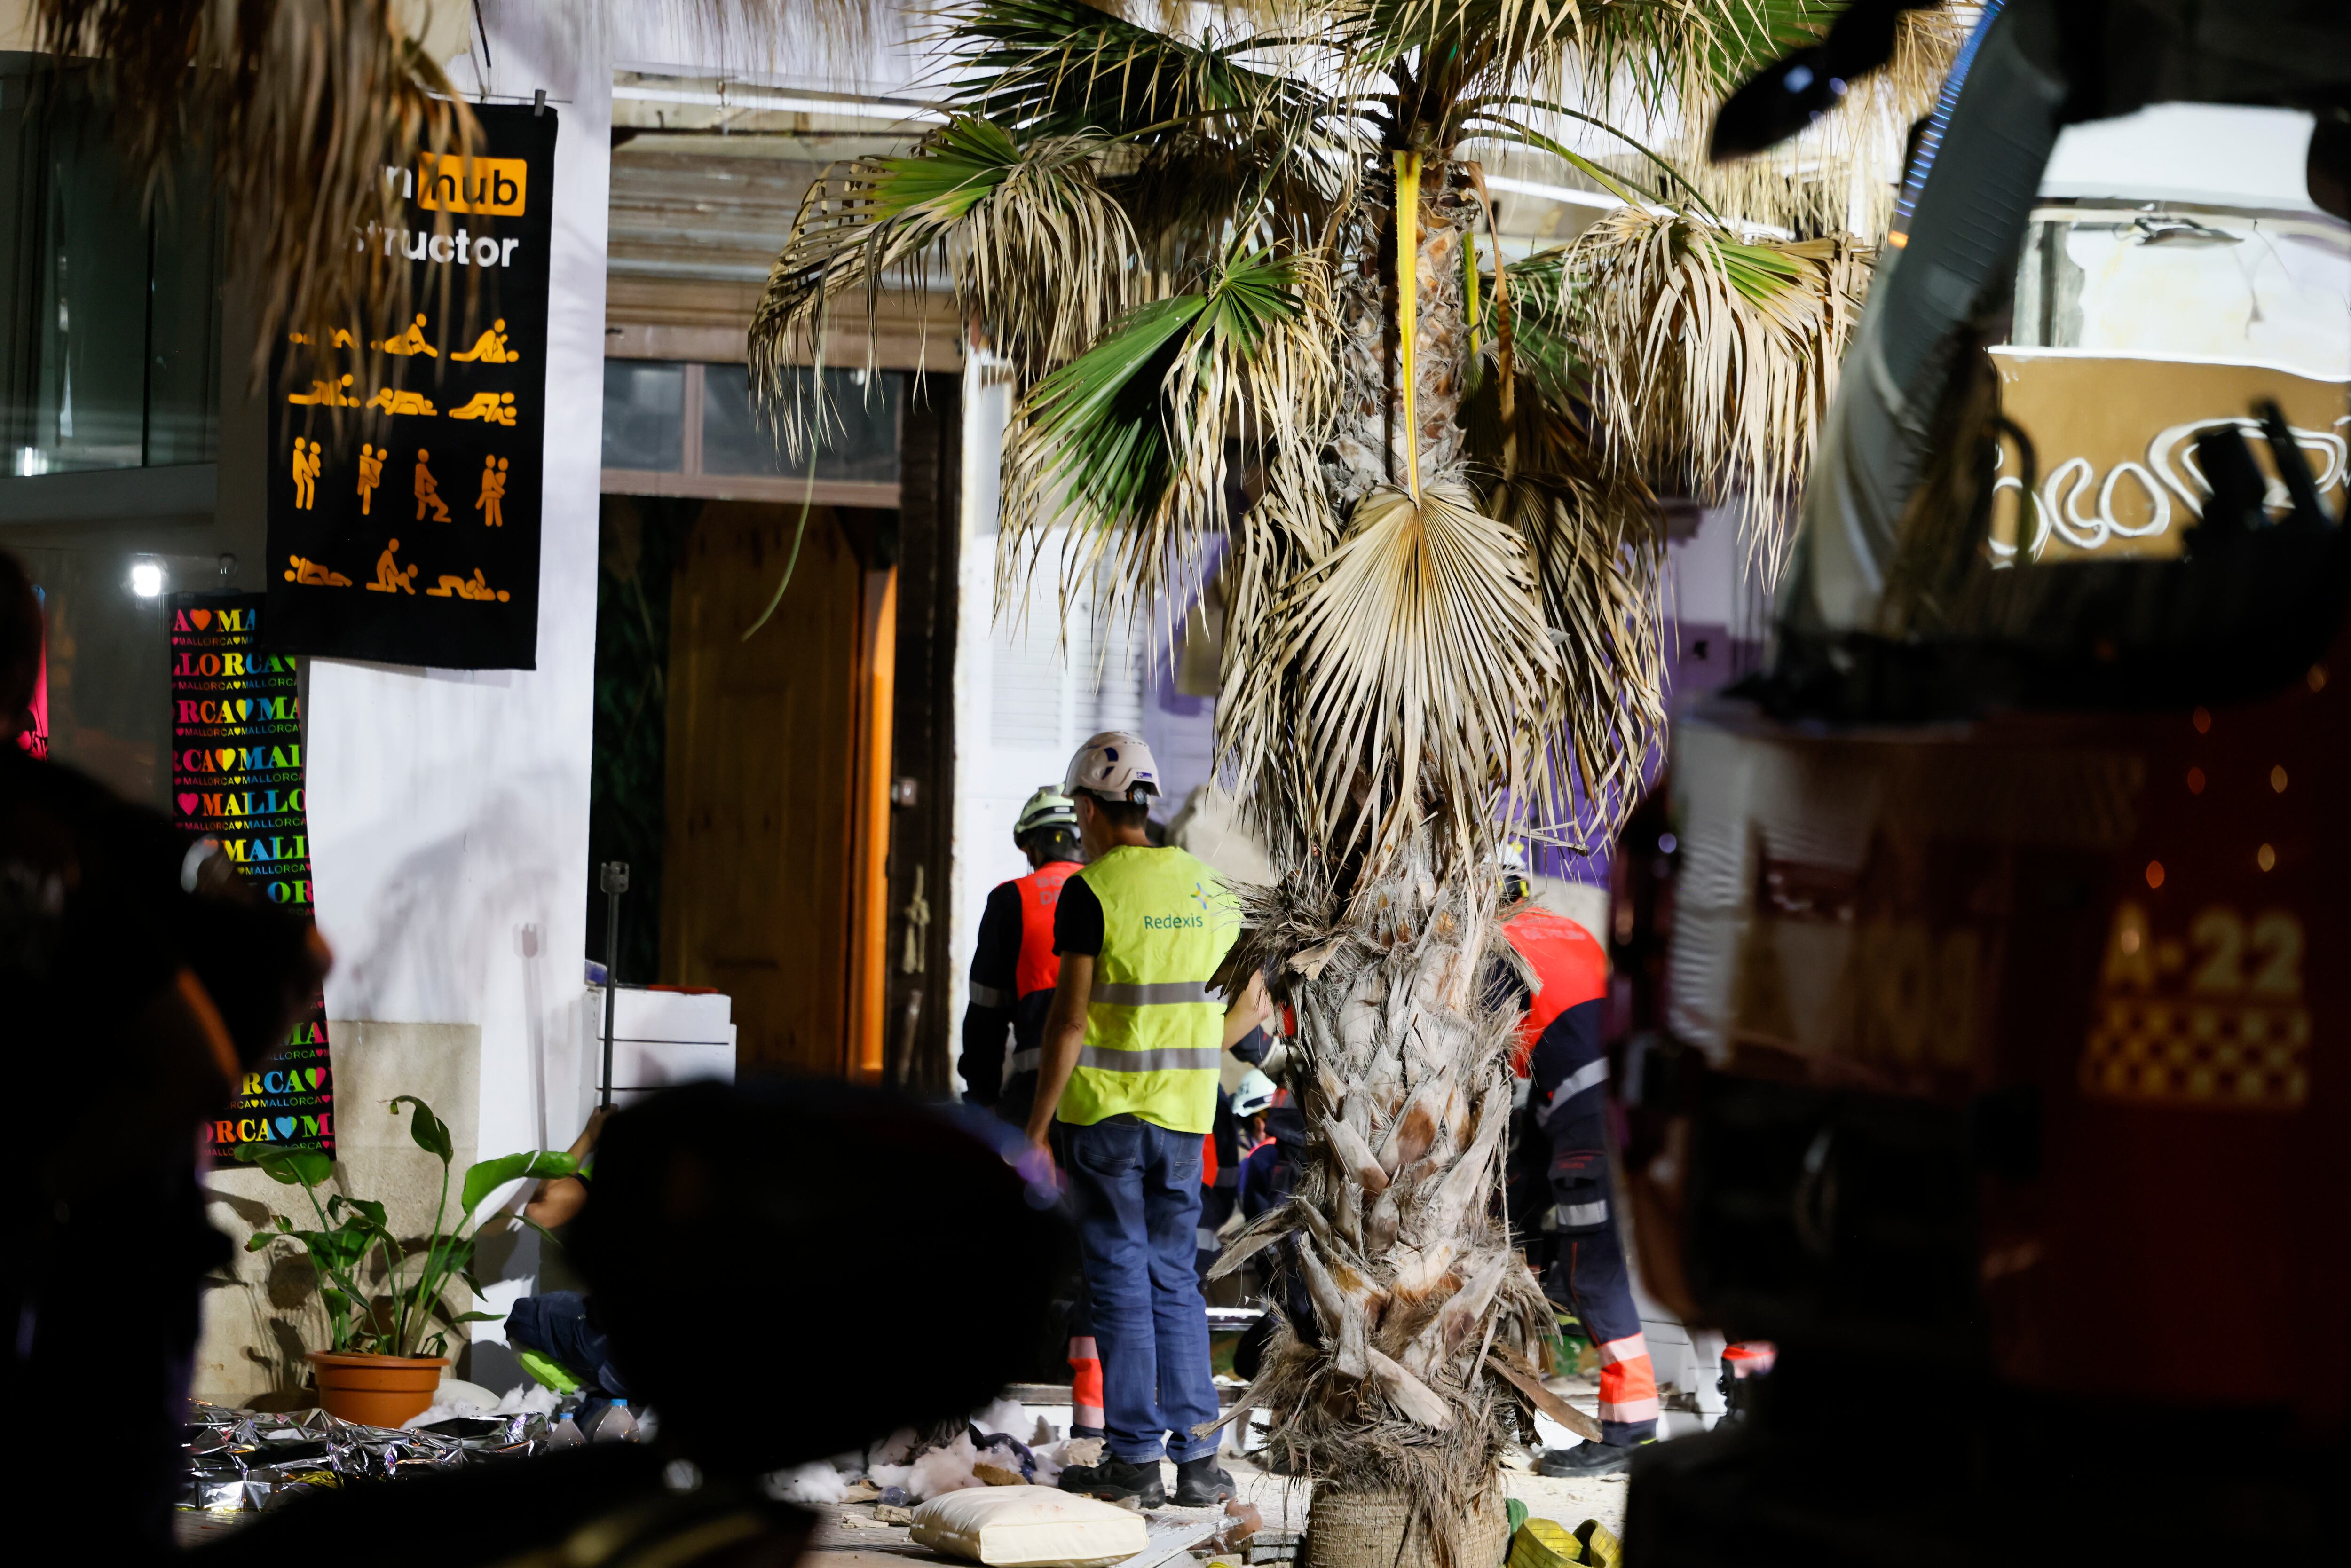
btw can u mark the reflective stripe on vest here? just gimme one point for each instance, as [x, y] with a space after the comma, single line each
[1039, 966]
[1155, 1031]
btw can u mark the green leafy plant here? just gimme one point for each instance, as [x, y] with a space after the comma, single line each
[407, 1314]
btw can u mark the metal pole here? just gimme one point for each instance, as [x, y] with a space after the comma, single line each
[613, 877]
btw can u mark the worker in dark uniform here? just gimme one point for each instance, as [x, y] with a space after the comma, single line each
[1014, 967]
[1559, 1054]
[1220, 1182]
[1013, 970]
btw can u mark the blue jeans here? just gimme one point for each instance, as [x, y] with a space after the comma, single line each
[1136, 1190]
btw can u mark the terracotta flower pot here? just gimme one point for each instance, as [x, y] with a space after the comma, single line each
[376, 1390]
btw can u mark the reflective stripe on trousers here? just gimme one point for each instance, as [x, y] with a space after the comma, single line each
[1628, 1380]
[1085, 1384]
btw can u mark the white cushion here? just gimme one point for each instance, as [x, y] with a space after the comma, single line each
[1029, 1527]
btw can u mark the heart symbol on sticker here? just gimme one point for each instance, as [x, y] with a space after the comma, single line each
[243, 708]
[312, 1074]
[227, 759]
[203, 618]
[188, 804]
[285, 1126]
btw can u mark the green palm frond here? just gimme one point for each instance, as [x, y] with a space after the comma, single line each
[1129, 443]
[1712, 360]
[1061, 67]
[1037, 252]
[1546, 350]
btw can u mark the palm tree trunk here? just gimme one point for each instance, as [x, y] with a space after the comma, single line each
[1371, 448]
[1441, 335]
[1395, 1235]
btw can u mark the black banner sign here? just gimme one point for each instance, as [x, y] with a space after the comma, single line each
[404, 496]
[237, 780]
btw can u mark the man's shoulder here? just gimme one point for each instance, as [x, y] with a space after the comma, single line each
[1538, 923]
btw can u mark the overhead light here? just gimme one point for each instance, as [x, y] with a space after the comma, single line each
[146, 579]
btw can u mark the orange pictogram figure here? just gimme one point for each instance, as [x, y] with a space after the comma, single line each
[469, 588]
[391, 577]
[371, 475]
[314, 574]
[491, 348]
[411, 341]
[306, 466]
[428, 493]
[343, 338]
[326, 395]
[392, 402]
[496, 407]
[494, 491]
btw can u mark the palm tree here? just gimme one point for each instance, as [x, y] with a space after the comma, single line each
[1256, 255]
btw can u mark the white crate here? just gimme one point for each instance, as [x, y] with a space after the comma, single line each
[660, 1037]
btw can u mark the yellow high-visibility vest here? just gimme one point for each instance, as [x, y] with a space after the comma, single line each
[1155, 1031]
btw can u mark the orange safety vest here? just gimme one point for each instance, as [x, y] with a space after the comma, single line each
[1040, 967]
[1571, 966]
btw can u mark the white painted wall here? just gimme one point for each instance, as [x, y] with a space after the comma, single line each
[449, 810]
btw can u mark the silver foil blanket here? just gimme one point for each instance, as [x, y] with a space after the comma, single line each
[241, 1461]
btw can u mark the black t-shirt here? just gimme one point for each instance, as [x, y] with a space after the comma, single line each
[1078, 920]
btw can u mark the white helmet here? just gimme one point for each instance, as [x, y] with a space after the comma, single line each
[1048, 808]
[1115, 765]
[1253, 1093]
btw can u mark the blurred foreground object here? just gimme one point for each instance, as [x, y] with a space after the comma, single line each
[1983, 1054]
[139, 950]
[755, 1205]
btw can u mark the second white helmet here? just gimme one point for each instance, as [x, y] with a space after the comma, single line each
[1115, 765]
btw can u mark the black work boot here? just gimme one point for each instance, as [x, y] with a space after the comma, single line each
[1202, 1483]
[1586, 1460]
[1115, 1480]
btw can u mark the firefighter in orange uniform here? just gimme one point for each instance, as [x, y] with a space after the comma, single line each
[1013, 972]
[1559, 1054]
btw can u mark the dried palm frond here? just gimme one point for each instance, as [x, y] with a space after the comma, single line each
[1036, 251]
[1130, 441]
[1843, 174]
[1413, 674]
[1591, 529]
[1651, 54]
[1601, 564]
[298, 105]
[1713, 361]
[1184, 192]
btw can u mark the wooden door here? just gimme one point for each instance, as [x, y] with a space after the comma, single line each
[760, 896]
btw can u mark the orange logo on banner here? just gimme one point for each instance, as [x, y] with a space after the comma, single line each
[447, 182]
